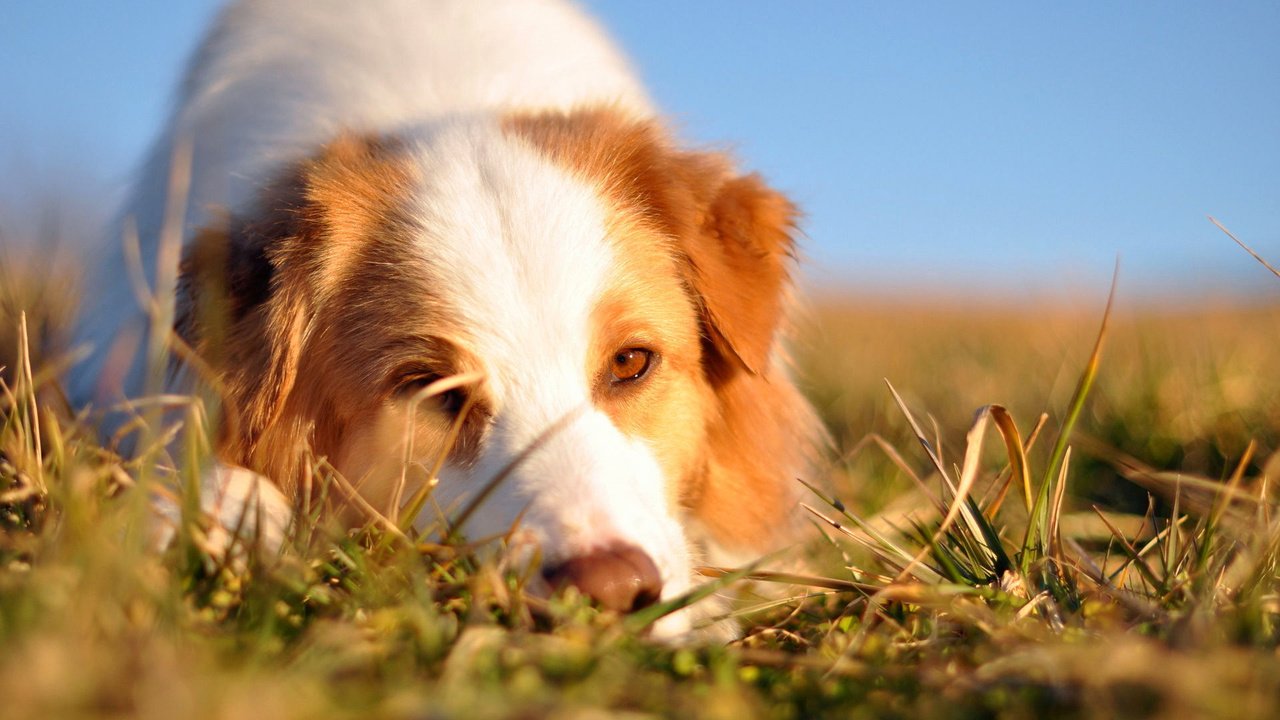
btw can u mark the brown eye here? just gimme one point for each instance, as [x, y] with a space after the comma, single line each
[450, 401]
[630, 364]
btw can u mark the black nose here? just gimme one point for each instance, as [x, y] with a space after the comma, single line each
[621, 578]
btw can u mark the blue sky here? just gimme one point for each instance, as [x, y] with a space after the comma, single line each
[992, 148]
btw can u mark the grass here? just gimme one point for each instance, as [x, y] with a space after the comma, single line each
[1115, 558]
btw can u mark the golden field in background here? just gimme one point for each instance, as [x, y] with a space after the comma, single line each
[1184, 386]
[1007, 598]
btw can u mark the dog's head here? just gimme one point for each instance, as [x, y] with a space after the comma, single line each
[611, 305]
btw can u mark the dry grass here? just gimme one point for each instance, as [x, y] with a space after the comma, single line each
[1182, 388]
[952, 586]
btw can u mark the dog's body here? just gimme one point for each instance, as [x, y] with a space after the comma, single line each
[384, 195]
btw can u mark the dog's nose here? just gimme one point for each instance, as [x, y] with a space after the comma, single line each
[621, 578]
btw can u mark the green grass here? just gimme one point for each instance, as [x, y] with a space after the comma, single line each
[962, 565]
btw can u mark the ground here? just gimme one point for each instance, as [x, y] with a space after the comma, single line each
[1115, 559]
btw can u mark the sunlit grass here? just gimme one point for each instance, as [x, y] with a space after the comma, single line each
[973, 554]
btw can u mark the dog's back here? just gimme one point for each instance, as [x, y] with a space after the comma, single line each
[372, 199]
[274, 79]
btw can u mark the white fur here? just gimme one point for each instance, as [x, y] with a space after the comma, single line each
[518, 244]
[519, 247]
[274, 79]
[236, 500]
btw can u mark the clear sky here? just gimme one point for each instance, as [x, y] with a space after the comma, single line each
[1002, 147]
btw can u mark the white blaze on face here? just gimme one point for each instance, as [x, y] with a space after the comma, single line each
[516, 249]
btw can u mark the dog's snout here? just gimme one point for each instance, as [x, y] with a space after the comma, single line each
[620, 577]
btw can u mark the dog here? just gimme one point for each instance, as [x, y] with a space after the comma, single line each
[452, 229]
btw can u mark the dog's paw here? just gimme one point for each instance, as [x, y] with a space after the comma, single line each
[240, 509]
[245, 507]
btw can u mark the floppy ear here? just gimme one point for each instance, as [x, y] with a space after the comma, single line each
[739, 261]
[734, 232]
[248, 291]
[733, 237]
[739, 253]
[240, 314]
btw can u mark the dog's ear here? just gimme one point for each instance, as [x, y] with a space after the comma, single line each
[736, 236]
[734, 233]
[249, 288]
[236, 309]
[739, 253]
[739, 258]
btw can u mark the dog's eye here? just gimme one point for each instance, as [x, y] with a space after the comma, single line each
[450, 401]
[630, 364]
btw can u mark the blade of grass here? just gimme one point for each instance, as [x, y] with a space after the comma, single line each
[33, 411]
[1135, 602]
[882, 545]
[1135, 557]
[791, 579]
[454, 525]
[929, 450]
[642, 619]
[1013, 446]
[959, 508]
[408, 513]
[1055, 509]
[896, 458]
[1037, 521]
[1247, 249]
[1214, 519]
[857, 521]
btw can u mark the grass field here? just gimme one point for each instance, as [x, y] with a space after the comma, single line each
[1117, 559]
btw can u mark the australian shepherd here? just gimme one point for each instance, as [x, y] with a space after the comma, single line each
[413, 230]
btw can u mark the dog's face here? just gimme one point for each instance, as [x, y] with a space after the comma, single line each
[608, 306]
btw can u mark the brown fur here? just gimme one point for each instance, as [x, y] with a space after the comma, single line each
[290, 308]
[281, 304]
[646, 306]
[730, 238]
